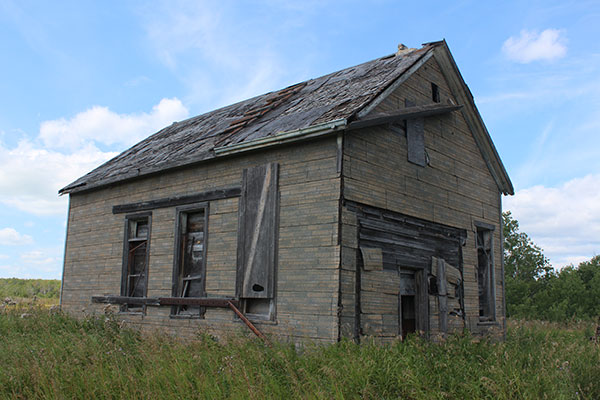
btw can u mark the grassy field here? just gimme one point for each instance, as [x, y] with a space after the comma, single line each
[43, 292]
[50, 355]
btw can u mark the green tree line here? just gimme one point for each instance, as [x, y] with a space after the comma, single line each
[534, 290]
[28, 288]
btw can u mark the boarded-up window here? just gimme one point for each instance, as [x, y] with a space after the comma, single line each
[136, 248]
[257, 239]
[485, 274]
[190, 261]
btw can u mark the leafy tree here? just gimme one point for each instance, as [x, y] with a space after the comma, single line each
[534, 290]
[527, 271]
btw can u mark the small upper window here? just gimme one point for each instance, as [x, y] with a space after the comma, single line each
[135, 259]
[435, 93]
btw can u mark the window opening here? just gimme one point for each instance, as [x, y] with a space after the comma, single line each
[408, 302]
[435, 93]
[485, 274]
[191, 260]
[135, 269]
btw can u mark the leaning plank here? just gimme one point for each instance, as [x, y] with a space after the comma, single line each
[217, 194]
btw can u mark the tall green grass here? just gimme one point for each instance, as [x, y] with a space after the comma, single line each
[53, 356]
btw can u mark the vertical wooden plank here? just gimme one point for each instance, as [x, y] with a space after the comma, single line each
[415, 137]
[423, 301]
[442, 295]
[257, 236]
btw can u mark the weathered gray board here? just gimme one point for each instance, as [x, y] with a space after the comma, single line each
[257, 232]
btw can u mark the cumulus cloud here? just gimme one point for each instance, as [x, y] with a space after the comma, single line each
[10, 237]
[32, 172]
[563, 220]
[30, 176]
[101, 125]
[533, 46]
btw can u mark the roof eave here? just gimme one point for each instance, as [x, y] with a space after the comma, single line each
[280, 139]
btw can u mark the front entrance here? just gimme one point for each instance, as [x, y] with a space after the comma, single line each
[394, 261]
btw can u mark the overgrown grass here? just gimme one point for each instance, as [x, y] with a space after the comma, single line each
[52, 355]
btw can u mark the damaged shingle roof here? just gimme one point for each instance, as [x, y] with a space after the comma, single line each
[339, 95]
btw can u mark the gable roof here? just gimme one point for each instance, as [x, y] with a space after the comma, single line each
[298, 112]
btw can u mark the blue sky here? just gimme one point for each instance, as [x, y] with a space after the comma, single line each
[81, 81]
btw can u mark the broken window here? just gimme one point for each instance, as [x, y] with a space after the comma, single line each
[190, 259]
[257, 241]
[485, 272]
[135, 259]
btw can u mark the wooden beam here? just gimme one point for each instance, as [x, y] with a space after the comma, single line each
[216, 194]
[197, 301]
[406, 113]
[222, 302]
[147, 301]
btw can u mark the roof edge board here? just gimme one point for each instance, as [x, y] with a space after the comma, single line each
[283, 138]
[473, 118]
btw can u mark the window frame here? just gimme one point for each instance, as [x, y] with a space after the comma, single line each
[489, 315]
[125, 265]
[178, 253]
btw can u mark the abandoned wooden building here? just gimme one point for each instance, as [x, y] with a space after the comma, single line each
[366, 202]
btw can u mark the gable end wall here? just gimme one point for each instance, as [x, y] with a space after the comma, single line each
[455, 189]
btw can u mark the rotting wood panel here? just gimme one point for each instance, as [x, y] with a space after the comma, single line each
[408, 246]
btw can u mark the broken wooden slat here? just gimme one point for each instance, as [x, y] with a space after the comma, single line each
[372, 258]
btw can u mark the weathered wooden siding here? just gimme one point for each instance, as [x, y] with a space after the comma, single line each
[307, 273]
[455, 189]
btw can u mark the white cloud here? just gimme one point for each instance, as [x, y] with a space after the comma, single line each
[45, 263]
[532, 46]
[101, 125]
[563, 220]
[3, 257]
[31, 175]
[10, 237]
[38, 257]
